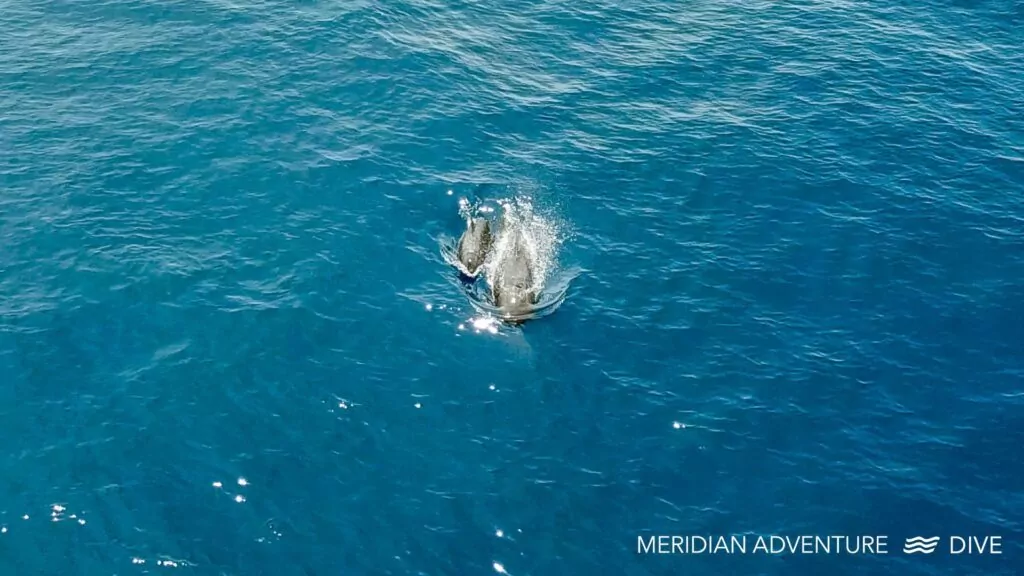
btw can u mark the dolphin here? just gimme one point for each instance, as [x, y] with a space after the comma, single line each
[475, 245]
[512, 288]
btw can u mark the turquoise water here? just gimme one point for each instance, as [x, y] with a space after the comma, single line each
[791, 236]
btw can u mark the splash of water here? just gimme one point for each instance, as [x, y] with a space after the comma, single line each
[543, 235]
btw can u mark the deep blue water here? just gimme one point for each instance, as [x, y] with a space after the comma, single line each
[796, 230]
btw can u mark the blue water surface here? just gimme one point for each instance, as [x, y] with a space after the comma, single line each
[230, 345]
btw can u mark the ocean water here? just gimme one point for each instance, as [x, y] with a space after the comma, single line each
[791, 236]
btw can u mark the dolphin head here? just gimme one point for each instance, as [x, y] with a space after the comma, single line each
[475, 244]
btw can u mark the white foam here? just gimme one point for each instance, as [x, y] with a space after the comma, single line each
[541, 235]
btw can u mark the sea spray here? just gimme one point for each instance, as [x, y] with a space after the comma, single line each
[541, 234]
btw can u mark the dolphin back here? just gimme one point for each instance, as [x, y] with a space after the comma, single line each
[475, 244]
[513, 287]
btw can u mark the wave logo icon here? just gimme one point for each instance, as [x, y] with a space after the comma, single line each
[920, 545]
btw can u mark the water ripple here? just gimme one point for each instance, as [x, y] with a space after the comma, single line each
[797, 229]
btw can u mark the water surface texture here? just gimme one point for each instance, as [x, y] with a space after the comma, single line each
[230, 343]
